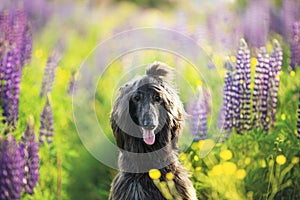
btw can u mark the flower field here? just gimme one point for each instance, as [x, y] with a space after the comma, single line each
[241, 138]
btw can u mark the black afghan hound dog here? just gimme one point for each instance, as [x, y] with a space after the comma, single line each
[146, 121]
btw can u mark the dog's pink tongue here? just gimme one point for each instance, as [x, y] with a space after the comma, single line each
[148, 136]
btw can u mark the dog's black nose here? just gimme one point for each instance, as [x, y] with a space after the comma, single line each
[148, 124]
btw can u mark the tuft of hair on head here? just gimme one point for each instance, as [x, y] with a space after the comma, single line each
[160, 70]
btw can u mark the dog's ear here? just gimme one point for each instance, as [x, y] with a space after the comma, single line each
[160, 71]
[177, 120]
[119, 137]
[176, 115]
[116, 115]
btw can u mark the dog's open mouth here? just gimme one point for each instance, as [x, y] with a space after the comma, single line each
[148, 136]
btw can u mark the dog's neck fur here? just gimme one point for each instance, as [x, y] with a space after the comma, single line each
[142, 163]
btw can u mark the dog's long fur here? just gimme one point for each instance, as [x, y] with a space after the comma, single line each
[166, 113]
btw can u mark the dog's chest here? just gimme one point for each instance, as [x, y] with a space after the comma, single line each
[140, 187]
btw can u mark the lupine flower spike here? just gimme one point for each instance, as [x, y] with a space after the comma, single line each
[260, 93]
[46, 129]
[30, 150]
[50, 69]
[199, 112]
[11, 169]
[27, 47]
[257, 92]
[275, 62]
[295, 46]
[241, 88]
[49, 73]
[15, 48]
[228, 97]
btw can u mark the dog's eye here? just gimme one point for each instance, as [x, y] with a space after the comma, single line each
[157, 98]
[137, 97]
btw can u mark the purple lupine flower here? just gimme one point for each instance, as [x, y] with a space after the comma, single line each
[27, 47]
[236, 100]
[275, 62]
[228, 97]
[235, 97]
[241, 88]
[30, 153]
[14, 67]
[11, 169]
[12, 40]
[265, 118]
[257, 92]
[6, 68]
[246, 85]
[295, 46]
[50, 69]
[46, 129]
[3, 24]
[261, 94]
[199, 111]
[49, 74]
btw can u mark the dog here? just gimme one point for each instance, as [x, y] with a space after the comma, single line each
[146, 121]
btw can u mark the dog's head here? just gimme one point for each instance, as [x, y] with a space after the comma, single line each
[148, 111]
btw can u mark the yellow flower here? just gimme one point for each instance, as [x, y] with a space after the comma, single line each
[226, 154]
[182, 156]
[280, 159]
[170, 176]
[194, 146]
[283, 117]
[247, 161]
[295, 160]
[229, 168]
[292, 73]
[154, 174]
[198, 168]
[217, 170]
[39, 53]
[241, 174]
[196, 158]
